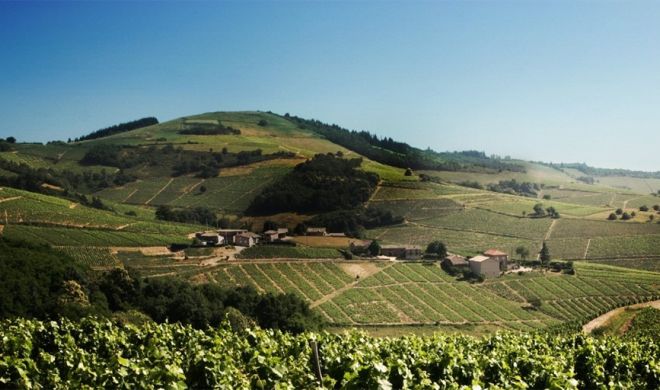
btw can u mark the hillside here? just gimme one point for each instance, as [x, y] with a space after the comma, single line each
[105, 193]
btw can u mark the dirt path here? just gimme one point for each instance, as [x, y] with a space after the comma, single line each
[159, 191]
[188, 190]
[552, 225]
[129, 196]
[600, 321]
[374, 194]
[9, 199]
[586, 250]
[346, 287]
[2, 228]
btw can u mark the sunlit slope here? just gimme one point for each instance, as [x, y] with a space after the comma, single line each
[276, 135]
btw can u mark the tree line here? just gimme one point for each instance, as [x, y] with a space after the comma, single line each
[399, 154]
[39, 282]
[120, 128]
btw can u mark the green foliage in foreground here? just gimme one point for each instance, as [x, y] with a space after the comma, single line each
[99, 354]
[646, 323]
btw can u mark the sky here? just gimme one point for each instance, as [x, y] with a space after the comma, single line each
[559, 81]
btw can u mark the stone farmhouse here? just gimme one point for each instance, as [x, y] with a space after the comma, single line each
[404, 252]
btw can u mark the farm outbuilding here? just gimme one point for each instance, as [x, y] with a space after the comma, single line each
[271, 236]
[485, 266]
[317, 231]
[229, 234]
[247, 239]
[500, 256]
[210, 238]
[405, 252]
[282, 233]
[455, 261]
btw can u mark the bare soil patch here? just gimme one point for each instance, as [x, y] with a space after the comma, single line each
[359, 269]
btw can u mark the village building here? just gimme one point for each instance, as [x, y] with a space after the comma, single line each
[405, 252]
[271, 236]
[317, 231]
[336, 234]
[210, 238]
[359, 247]
[282, 233]
[455, 261]
[246, 239]
[500, 256]
[488, 267]
[229, 234]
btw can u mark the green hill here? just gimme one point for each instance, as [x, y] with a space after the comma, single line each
[104, 193]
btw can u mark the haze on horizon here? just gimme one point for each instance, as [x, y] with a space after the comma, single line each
[560, 81]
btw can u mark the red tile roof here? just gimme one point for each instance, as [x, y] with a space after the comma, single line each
[494, 252]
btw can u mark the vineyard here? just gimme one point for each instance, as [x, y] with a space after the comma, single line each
[99, 354]
[87, 237]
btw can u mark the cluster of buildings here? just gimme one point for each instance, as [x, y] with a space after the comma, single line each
[244, 237]
[489, 264]
[240, 237]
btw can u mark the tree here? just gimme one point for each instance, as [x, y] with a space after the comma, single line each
[619, 211]
[263, 123]
[538, 210]
[625, 216]
[408, 172]
[544, 254]
[300, 229]
[633, 214]
[651, 218]
[437, 248]
[374, 248]
[546, 196]
[643, 208]
[612, 217]
[522, 252]
[270, 225]
[656, 207]
[11, 140]
[202, 189]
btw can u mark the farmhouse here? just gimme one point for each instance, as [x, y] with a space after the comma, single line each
[455, 261]
[247, 239]
[317, 231]
[229, 234]
[282, 233]
[485, 266]
[406, 252]
[500, 256]
[271, 236]
[210, 238]
[359, 246]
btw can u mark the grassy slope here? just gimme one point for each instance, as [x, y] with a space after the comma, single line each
[468, 220]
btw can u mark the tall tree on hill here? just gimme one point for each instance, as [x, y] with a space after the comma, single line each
[544, 255]
[522, 252]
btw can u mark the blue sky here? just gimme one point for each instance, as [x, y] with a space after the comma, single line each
[553, 81]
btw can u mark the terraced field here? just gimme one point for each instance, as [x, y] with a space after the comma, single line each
[57, 236]
[310, 280]
[24, 207]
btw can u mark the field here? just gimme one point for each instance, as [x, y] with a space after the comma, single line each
[58, 236]
[289, 252]
[394, 294]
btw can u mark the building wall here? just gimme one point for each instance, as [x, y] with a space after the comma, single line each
[488, 268]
